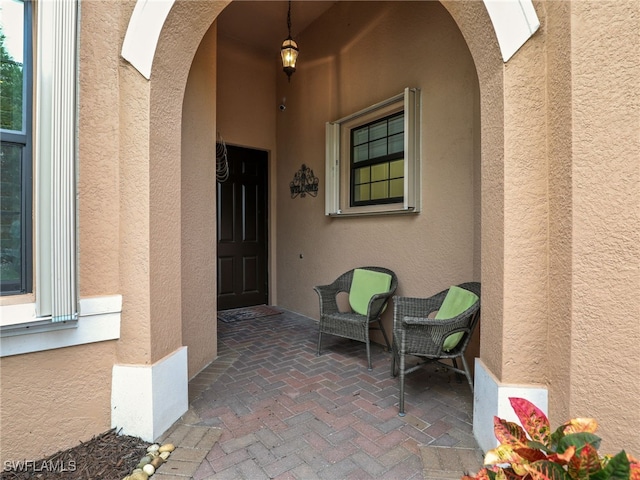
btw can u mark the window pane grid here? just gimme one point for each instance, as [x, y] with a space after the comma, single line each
[377, 164]
[384, 181]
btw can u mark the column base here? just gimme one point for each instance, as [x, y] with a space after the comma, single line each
[147, 399]
[491, 398]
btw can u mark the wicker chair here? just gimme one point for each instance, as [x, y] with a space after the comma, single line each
[417, 335]
[351, 324]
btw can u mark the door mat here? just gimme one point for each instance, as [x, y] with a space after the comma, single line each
[247, 313]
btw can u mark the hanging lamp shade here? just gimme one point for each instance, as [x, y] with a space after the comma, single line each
[289, 49]
[289, 53]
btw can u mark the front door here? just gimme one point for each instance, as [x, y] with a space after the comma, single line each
[242, 230]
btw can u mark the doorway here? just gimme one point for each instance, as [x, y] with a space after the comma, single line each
[242, 245]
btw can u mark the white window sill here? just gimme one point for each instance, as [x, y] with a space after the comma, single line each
[98, 321]
[365, 211]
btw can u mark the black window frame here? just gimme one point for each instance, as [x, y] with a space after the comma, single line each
[24, 139]
[388, 158]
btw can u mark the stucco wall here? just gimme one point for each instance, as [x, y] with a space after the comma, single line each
[560, 207]
[579, 304]
[358, 54]
[605, 340]
[53, 399]
[99, 143]
[198, 207]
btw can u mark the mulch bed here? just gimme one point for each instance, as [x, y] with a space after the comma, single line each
[107, 456]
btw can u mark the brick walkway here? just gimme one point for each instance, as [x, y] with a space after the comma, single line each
[268, 407]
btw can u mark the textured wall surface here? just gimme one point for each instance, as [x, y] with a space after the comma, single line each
[198, 207]
[473, 21]
[51, 400]
[559, 127]
[99, 168]
[606, 223]
[183, 31]
[526, 216]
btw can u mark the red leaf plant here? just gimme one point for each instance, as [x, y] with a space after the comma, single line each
[530, 451]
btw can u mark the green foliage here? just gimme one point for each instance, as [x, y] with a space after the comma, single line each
[532, 452]
[11, 174]
[11, 89]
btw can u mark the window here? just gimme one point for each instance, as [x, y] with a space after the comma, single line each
[377, 162]
[43, 156]
[15, 154]
[373, 159]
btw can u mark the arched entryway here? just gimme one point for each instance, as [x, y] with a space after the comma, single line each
[183, 30]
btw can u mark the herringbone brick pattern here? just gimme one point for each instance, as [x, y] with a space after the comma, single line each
[286, 413]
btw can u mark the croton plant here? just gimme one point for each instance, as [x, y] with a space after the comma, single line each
[533, 452]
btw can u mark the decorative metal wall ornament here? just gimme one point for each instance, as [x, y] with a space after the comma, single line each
[304, 181]
[222, 162]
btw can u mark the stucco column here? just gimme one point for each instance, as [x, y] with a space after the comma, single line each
[514, 219]
[150, 381]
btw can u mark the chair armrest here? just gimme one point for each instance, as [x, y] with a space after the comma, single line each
[377, 303]
[328, 290]
[415, 307]
[428, 335]
[327, 294]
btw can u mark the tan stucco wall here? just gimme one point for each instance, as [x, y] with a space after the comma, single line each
[99, 167]
[526, 216]
[567, 191]
[198, 212]
[475, 25]
[560, 207]
[53, 399]
[127, 194]
[356, 55]
[605, 340]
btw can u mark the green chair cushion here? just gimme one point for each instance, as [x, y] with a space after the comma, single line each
[365, 284]
[457, 301]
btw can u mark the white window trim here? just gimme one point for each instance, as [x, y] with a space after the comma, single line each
[99, 320]
[337, 183]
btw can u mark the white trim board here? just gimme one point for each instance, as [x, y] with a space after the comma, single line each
[491, 398]
[514, 21]
[141, 40]
[147, 399]
[99, 320]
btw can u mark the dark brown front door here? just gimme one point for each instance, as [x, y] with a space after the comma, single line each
[242, 230]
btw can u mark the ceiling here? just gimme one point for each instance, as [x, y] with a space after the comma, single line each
[262, 24]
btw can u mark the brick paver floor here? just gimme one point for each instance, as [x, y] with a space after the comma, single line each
[268, 407]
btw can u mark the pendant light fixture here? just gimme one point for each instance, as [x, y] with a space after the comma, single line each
[289, 50]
